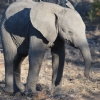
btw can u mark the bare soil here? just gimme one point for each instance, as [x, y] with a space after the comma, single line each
[74, 85]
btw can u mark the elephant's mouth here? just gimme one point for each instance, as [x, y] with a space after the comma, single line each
[70, 43]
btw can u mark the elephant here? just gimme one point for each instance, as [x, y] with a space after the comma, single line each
[28, 29]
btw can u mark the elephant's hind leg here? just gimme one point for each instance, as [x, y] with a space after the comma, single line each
[10, 52]
[9, 75]
[17, 72]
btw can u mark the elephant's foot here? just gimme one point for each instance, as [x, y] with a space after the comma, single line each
[21, 86]
[8, 90]
[30, 90]
[86, 73]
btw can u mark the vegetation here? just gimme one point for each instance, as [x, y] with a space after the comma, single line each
[94, 13]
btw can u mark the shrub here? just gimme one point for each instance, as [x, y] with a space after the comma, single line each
[94, 13]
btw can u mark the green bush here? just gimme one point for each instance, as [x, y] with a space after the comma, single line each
[94, 13]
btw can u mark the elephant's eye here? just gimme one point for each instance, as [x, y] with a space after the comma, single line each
[69, 43]
[70, 32]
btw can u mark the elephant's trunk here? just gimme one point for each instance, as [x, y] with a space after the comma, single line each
[84, 48]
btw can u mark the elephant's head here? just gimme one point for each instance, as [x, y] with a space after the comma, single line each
[52, 20]
[71, 28]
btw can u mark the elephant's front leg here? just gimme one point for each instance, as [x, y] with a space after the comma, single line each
[58, 57]
[36, 53]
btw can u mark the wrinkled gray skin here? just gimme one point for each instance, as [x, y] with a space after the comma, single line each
[29, 28]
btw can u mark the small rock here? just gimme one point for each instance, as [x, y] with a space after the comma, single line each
[39, 95]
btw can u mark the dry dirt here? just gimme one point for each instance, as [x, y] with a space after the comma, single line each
[74, 85]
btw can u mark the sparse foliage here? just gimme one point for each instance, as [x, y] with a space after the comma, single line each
[95, 11]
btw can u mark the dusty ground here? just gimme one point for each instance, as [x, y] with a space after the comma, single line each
[75, 85]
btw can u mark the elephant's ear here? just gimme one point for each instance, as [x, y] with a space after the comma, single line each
[45, 22]
[68, 4]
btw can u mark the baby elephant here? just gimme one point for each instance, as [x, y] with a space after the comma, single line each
[29, 28]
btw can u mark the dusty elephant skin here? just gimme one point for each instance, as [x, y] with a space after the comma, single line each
[28, 29]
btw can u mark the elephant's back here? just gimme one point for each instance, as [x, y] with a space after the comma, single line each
[17, 7]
